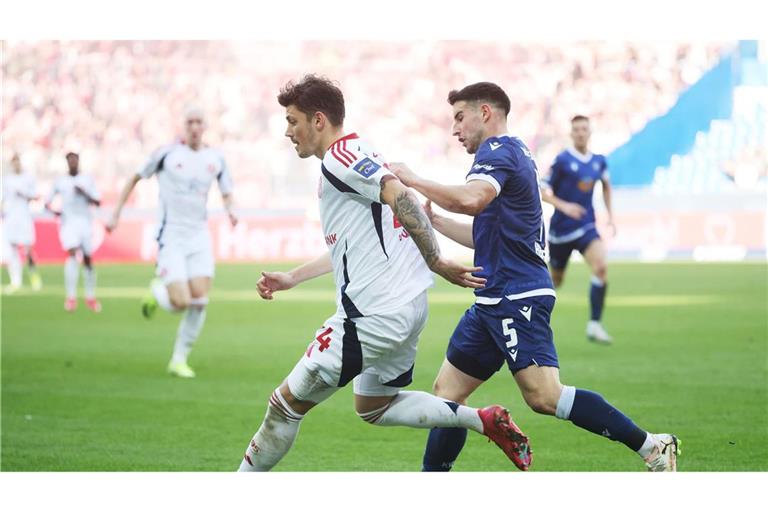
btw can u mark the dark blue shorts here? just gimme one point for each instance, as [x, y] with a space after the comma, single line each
[516, 331]
[559, 254]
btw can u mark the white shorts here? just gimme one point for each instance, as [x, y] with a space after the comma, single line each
[181, 258]
[377, 351]
[76, 233]
[19, 230]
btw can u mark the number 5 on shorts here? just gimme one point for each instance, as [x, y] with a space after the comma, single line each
[506, 326]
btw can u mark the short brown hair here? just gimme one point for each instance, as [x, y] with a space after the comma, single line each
[579, 117]
[482, 91]
[314, 94]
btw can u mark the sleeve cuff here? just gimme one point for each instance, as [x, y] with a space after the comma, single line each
[487, 178]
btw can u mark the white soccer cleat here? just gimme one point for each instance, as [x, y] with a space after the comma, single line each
[664, 454]
[596, 333]
[181, 370]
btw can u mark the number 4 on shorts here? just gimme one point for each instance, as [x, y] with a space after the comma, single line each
[324, 338]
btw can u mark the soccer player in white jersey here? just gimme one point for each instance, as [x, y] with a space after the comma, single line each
[185, 265]
[78, 195]
[19, 189]
[379, 239]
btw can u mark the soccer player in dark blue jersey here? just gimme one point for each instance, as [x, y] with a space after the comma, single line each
[569, 188]
[509, 320]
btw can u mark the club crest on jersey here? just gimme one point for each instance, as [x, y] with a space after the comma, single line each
[366, 167]
[211, 168]
[574, 166]
[596, 166]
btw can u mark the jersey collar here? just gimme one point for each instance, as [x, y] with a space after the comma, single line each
[585, 158]
[351, 136]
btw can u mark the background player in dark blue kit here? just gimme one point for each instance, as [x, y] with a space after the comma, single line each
[569, 189]
[510, 318]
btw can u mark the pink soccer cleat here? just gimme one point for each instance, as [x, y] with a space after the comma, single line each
[70, 304]
[499, 428]
[93, 304]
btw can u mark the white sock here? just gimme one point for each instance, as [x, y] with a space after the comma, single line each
[161, 295]
[275, 437]
[565, 402]
[189, 329]
[648, 445]
[422, 410]
[14, 266]
[71, 274]
[90, 282]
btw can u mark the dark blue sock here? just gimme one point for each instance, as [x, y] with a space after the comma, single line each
[597, 298]
[443, 447]
[591, 412]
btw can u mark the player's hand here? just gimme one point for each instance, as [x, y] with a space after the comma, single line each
[233, 220]
[612, 227]
[111, 224]
[271, 282]
[458, 274]
[573, 210]
[428, 210]
[403, 172]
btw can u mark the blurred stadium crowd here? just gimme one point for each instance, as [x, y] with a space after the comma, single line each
[116, 101]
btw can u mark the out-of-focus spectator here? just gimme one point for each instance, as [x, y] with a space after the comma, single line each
[116, 101]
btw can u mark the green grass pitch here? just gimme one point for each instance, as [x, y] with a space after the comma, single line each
[89, 391]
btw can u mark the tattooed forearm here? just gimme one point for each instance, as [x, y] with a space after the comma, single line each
[410, 214]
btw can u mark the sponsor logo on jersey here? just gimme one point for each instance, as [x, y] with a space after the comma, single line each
[586, 184]
[366, 167]
[482, 167]
[494, 145]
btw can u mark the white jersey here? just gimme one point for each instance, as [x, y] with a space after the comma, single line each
[18, 189]
[377, 267]
[184, 178]
[74, 204]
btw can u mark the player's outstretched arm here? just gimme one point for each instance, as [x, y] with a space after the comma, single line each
[573, 210]
[470, 198]
[271, 282]
[459, 232]
[415, 221]
[124, 194]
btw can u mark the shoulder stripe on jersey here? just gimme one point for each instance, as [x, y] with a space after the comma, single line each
[337, 183]
[336, 152]
[344, 151]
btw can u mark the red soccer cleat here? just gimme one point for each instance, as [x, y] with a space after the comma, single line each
[499, 428]
[93, 304]
[70, 304]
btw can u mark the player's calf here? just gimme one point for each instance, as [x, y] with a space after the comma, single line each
[274, 438]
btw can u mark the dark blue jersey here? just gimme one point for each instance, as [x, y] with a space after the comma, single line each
[572, 178]
[509, 233]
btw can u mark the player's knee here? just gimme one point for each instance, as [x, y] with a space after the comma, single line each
[179, 301]
[541, 402]
[449, 392]
[371, 409]
[601, 272]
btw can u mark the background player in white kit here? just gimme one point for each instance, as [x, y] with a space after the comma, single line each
[185, 265]
[381, 281]
[78, 194]
[19, 189]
